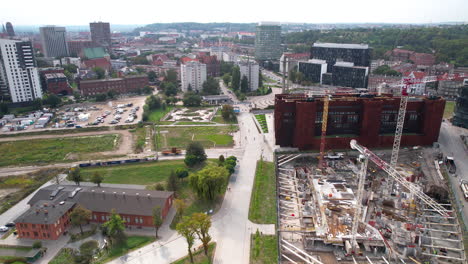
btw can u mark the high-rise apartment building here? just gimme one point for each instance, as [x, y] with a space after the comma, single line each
[9, 29]
[250, 69]
[100, 34]
[19, 77]
[193, 74]
[268, 41]
[54, 41]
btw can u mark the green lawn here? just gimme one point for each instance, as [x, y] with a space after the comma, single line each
[215, 136]
[263, 249]
[449, 107]
[139, 136]
[263, 200]
[262, 121]
[199, 256]
[156, 115]
[44, 151]
[220, 119]
[140, 173]
[193, 123]
[63, 256]
[132, 243]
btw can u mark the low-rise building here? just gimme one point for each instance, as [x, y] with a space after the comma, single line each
[290, 60]
[127, 84]
[312, 69]
[217, 99]
[57, 83]
[49, 215]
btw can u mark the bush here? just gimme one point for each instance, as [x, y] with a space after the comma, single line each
[159, 187]
[221, 159]
[181, 172]
[15, 260]
[37, 244]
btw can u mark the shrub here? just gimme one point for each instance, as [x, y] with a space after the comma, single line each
[159, 187]
[182, 173]
[37, 244]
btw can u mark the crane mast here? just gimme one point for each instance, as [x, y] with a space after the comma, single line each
[360, 193]
[412, 188]
[326, 100]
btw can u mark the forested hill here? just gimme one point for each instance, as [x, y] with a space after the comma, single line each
[185, 26]
[450, 44]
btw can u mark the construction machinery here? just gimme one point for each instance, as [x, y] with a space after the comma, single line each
[172, 151]
[360, 192]
[412, 188]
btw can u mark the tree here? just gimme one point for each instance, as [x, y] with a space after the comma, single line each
[37, 244]
[244, 86]
[76, 95]
[100, 72]
[157, 219]
[4, 108]
[180, 206]
[111, 94]
[226, 78]
[170, 89]
[75, 175]
[172, 183]
[80, 216]
[97, 178]
[115, 227]
[386, 70]
[210, 86]
[235, 82]
[191, 99]
[189, 87]
[209, 182]
[87, 251]
[185, 229]
[202, 224]
[52, 100]
[221, 159]
[195, 154]
[260, 79]
[101, 97]
[226, 67]
[227, 112]
[171, 76]
[71, 68]
[153, 102]
[152, 76]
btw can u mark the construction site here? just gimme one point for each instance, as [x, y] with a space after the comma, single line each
[365, 206]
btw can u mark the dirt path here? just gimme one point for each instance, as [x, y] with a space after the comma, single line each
[124, 145]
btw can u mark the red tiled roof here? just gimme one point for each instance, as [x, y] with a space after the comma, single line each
[99, 62]
[416, 74]
[187, 59]
[208, 59]
[402, 51]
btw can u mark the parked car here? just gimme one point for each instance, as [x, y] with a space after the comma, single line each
[3, 228]
[10, 224]
[78, 126]
[113, 122]
[70, 125]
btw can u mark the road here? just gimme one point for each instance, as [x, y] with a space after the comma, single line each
[452, 145]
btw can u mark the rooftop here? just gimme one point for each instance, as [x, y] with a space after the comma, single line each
[94, 53]
[45, 212]
[54, 75]
[341, 46]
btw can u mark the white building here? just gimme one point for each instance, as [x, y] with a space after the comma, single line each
[250, 69]
[19, 77]
[192, 73]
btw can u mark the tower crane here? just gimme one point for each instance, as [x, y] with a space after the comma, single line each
[413, 189]
[326, 100]
[360, 192]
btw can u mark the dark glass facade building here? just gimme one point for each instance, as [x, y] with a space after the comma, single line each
[460, 117]
[359, 54]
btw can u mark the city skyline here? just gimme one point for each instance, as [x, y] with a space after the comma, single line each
[363, 11]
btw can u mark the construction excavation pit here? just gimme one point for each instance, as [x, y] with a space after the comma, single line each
[358, 209]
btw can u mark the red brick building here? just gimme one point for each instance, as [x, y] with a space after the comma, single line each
[51, 206]
[75, 47]
[128, 84]
[423, 59]
[44, 220]
[57, 83]
[371, 121]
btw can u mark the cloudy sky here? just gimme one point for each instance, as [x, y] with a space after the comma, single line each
[81, 12]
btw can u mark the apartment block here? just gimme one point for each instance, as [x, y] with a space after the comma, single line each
[251, 70]
[19, 77]
[268, 41]
[193, 74]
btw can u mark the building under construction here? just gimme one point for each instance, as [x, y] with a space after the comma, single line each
[370, 119]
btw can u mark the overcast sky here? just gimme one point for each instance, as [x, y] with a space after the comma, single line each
[81, 12]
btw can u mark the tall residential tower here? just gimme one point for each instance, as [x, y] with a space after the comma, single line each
[54, 41]
[19, 77]
[268, 41]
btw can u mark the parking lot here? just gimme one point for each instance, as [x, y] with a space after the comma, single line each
[127, 110]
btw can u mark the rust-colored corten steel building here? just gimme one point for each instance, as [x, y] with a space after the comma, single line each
[371, 120]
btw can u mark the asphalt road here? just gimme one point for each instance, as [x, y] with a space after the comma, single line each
[452, 145]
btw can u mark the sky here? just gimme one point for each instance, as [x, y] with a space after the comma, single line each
[81, 12]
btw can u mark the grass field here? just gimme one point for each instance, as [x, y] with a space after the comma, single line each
[219, 119]
[43, 151]
[263, 249]
[132, 243]
[215, 136]
[63, 256]
[156, 115]
[262, 121]
[199, 256]
[143, 173]
[449, 108]
[139, 136]
[262, 202]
